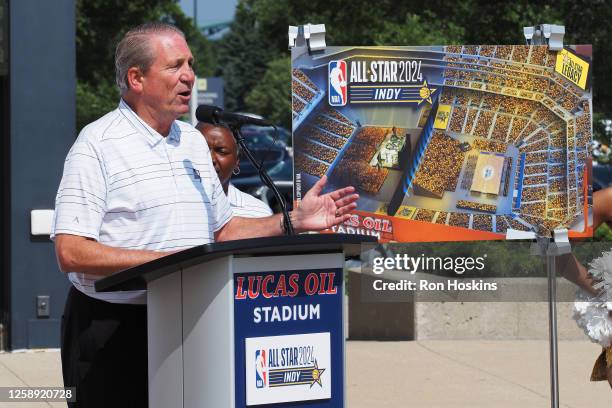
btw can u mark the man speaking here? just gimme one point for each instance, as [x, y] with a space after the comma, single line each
[138, 185]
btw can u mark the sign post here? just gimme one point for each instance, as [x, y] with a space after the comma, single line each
[546, 247]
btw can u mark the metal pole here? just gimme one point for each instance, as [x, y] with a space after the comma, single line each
[552, 326]
[193, 103]
[553, 36]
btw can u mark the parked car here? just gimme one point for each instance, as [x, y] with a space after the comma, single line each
[602, 176]
[282, 134]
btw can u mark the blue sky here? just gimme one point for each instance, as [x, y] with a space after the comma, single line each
[210, 11]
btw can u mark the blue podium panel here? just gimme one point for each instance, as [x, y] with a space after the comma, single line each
[289, 339]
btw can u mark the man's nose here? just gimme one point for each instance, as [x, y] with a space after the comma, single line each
[188, 76]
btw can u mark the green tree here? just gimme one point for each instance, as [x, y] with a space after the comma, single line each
[94, 101]
[243, 57]
[271, 97]
[354, 22]
[588, 23]
[420, 30]
[264, 23]
[603, 233]
[99, 26]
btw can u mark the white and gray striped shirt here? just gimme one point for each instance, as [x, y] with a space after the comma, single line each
[245, 205]
[127, 186]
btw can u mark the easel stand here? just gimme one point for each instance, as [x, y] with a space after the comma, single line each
[550, 249]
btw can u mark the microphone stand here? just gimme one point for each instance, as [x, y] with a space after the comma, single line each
[263, 174]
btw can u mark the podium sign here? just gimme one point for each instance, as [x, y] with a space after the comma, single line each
[288, 368]
[289, 337]
[245, 323]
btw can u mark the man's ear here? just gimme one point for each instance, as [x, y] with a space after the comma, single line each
[135, 79]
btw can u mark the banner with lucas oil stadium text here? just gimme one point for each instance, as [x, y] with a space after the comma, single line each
[447, 143]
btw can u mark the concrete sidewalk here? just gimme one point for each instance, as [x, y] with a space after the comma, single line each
[32, 368]
[471, 374]
[423, 374]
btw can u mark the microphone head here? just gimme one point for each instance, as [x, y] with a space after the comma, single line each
[208, 114]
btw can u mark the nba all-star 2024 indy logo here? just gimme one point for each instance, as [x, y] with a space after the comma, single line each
[377, 81]
[287, 366]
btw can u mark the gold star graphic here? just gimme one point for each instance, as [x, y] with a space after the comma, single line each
[316, 375]
[425, 93]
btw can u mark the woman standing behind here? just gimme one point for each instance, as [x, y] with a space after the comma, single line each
[225, 155]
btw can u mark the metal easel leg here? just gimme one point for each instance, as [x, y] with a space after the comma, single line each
[552, 329]
[551, 35]
[549, 250]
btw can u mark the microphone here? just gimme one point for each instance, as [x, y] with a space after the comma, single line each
[214, 114]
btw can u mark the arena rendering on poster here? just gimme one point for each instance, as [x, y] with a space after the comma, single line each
[448, 142]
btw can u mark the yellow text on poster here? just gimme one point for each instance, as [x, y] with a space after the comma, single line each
[442, 117]
[572, 67]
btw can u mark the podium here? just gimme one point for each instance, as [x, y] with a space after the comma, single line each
[247, 322]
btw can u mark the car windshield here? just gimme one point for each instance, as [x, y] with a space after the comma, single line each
[256, 138]
[283, 134]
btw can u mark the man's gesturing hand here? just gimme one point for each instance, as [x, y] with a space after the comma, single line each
[317, 212]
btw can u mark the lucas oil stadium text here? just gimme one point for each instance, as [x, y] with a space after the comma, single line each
[258, 287]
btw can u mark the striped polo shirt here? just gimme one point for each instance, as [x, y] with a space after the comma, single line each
[127, 186]
[245, 205]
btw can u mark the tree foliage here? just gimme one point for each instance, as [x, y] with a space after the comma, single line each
[271, 97]
[423, 29]
[603, 233]
[93, 101]
[99, 25]
[243, 57]
[259, 37]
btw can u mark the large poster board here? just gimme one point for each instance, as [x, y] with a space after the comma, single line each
[448, 142]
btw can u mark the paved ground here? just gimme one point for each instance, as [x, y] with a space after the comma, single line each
[423, 374]
[470, 374]
[31, 369]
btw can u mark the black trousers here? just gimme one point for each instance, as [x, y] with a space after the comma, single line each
[104, 352]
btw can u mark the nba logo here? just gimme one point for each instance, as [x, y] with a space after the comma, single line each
[260, 369]
[337, 83]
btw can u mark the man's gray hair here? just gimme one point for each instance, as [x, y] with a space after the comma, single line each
[134, 50]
